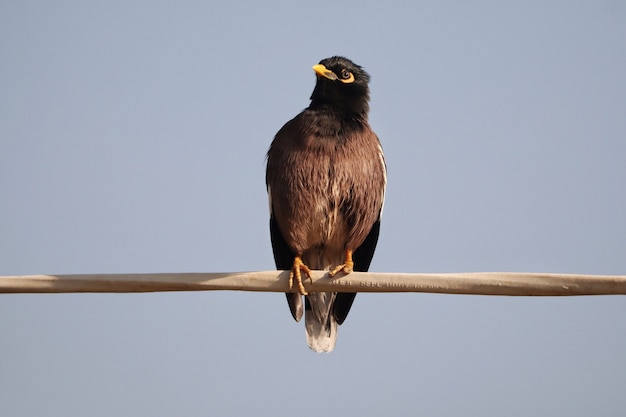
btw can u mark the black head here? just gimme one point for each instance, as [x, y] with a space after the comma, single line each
[341, 85]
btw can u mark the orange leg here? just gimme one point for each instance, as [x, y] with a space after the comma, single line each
[296, 269]
[347, 267]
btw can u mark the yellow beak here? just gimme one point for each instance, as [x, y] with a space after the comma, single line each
[324, 72]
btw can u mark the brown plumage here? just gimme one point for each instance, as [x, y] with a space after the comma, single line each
[326, 181]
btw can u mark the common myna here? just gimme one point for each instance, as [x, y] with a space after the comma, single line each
[326, 180]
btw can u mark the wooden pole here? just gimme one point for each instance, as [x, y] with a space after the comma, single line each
[486, 283]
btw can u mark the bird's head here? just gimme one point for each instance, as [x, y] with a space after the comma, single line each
[341, 84]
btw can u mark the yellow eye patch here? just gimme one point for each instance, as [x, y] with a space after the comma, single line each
[346, 77]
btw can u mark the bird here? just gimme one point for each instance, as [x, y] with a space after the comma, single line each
[326, 178]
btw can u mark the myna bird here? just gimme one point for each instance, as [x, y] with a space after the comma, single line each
[326, 181]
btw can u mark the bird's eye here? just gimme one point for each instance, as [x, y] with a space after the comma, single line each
[346, 76]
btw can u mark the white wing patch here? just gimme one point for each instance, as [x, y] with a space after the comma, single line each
[381, 156]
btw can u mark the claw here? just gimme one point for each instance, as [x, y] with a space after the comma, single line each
[295, 272]
[346, 267]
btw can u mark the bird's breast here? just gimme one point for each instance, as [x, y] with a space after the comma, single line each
[328, 227]
[326, 188]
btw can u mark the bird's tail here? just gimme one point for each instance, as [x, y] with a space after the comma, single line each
[319, 321]
[320, 324]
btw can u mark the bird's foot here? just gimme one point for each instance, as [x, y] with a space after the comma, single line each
[296, 269]
[346, 267]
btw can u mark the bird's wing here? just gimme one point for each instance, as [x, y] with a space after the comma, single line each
[283, 257]
[363, 255]
[362, 258]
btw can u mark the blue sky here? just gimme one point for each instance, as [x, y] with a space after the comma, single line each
[132, 139]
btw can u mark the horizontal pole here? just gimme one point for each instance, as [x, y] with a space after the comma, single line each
[486, 283]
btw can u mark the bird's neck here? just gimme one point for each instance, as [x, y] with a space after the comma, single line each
[325, 121]
[341, 113]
